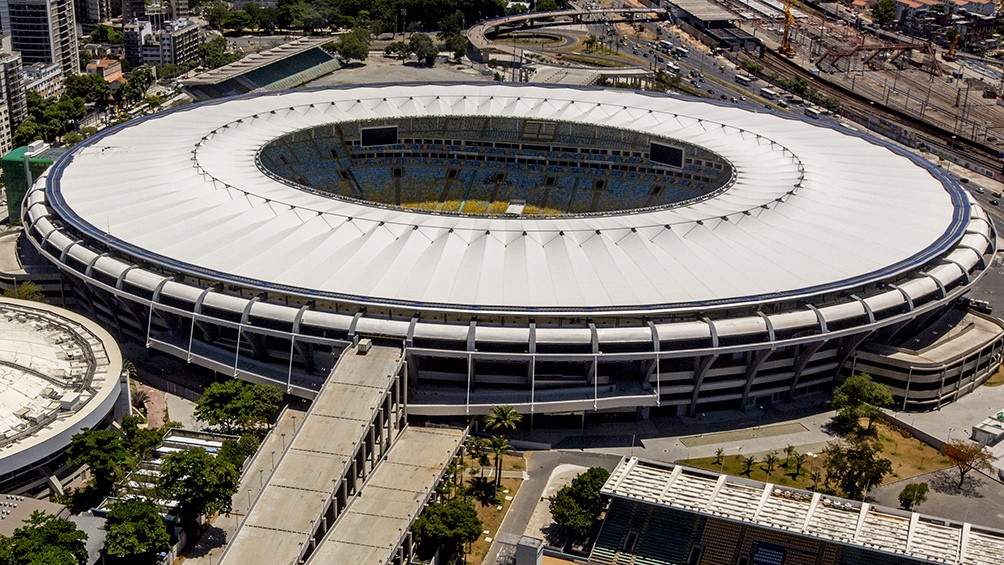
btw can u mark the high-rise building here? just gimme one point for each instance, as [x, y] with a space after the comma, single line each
[12, 86]
[134, 35]
[155, 11]
[43, 31]
[90, 13]
[176, 43]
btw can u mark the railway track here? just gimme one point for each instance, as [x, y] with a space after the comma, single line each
[932, 135]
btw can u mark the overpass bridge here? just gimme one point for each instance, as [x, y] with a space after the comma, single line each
[479, 33]
[353, 477]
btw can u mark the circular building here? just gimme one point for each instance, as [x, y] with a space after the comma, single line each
[558, 249]
[59, 373]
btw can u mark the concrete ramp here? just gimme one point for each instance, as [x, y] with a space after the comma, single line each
[348, 429]
[375, 527]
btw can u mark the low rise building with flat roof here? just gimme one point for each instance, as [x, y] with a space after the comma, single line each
[59, 374]
[46, 79]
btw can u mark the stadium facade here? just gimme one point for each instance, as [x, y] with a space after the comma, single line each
[558, 249]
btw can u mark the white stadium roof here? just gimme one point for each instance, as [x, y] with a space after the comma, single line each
[812, 208]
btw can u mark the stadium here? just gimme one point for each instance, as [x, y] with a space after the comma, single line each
[558, 249]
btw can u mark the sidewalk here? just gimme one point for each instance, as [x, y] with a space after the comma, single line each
[662, 439]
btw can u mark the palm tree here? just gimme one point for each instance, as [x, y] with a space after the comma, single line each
[504, 418]
[129, 368]
[770, 460]
[800, 459]
[748, 462]
[719, 455]
[499, 445]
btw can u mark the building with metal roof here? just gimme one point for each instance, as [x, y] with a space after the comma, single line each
[59, 373]
[558, 249]
[665, 514]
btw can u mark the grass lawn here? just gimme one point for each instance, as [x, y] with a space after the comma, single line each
[909, 456]
[593, 61]
[491, 518]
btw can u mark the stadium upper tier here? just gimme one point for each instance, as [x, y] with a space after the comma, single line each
[682, 228]
[486, 165]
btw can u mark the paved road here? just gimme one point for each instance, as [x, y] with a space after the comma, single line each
[539, 467]
[980, 502]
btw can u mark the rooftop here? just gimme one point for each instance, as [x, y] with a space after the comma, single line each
[848, 522]
[257, 60]
[704, 10]
[803, 215]
[59, 372]
[14, 510]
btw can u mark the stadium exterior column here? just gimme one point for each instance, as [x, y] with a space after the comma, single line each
[196, 311]
[909, 380]
[801, 361]
[757, 359]
[154, 300]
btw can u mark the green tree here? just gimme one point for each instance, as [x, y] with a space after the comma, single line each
[449, 524]
[770, 460]
[214, 54]
[44, 540]
[238, 451]
[202, 484]
[396, 49]
[84, 57]
[104, 452]
[91, 88]
[856, 468]
[502, 418]
[799, 460]
[451, 25]
[546, 5]
[238, 405]
[747, 461]
[135, 532]
[26, 290]
[752, 67]
[106, 34]
[884, 11]
[912, 495]
[140, 441]
[577, 506]
[968, 456]
[719, 455]
[239, 21]
[354, 45]
[860, 396]
[217, 14]
[567, 513]
[457, 45]
[499, 445]
[422, 46]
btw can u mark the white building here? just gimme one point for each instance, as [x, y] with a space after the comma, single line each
[176, 43]
[44, 78]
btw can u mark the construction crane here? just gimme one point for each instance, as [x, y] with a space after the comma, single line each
[950, 54]
[789, 23]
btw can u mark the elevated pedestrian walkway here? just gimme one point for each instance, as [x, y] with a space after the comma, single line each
[348, 429]
[375, 527]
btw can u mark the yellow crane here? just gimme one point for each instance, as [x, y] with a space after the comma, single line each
[789, 23]
[950, 54]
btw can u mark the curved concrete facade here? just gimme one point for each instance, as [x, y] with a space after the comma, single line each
[79, 363]
[824, 239]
